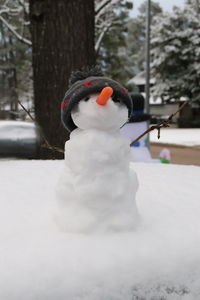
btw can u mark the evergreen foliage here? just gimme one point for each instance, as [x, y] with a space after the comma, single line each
[176, 53]
[112, 55]
[122, 51]
[137, 35]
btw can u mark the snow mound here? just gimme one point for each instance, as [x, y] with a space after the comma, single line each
[160, 260]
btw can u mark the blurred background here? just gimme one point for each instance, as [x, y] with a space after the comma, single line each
[42, 42]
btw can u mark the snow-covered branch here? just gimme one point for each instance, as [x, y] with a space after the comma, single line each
[17, 35]
[104, 19]
[24, 5]
[98, 42]
[8, 10]
[11, 11]
[105, 9]
[101, 5]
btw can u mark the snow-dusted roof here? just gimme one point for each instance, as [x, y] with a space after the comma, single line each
[140, 79]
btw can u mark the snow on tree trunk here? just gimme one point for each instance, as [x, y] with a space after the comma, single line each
[63, 41]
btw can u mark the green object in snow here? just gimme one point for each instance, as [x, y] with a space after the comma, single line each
[164, 160]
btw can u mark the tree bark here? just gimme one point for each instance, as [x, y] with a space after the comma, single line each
[62, 41]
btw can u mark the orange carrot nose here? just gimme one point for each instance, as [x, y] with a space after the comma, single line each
[105, 94]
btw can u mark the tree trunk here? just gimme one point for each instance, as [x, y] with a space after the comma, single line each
[62, 41]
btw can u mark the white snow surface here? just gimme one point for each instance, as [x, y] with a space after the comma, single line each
[177, 136]
[159, 260]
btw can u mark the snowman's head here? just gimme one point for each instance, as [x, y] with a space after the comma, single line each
[80, 107]
[100, 111]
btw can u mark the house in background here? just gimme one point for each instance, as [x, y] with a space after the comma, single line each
[159, 109]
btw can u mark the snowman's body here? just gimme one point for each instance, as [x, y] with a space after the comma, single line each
[97, 189]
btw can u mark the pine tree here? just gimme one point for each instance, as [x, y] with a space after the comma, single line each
[176, 54]
[137, 34]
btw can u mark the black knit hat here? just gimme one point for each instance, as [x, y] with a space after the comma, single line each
[138, 114]
[85, 87]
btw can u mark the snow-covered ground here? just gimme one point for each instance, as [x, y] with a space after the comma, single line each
[159, 260]
[177, 136]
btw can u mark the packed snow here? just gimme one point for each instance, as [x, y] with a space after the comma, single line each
[159, 260]
[177, 136]
[97, 185]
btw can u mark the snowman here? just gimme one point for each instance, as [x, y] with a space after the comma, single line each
[97, 189]
[138, 123]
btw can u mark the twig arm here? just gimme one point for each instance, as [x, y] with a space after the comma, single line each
[46, 143]
[159, 126]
